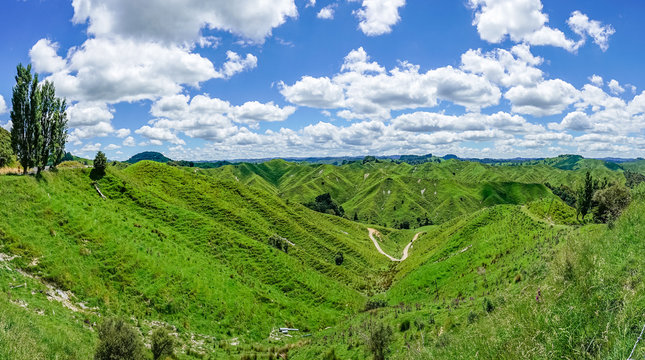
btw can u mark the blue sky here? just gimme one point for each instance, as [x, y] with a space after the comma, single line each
[215, 79]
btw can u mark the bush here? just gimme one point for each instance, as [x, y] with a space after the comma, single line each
[488, 305]
[100, 163]
[279, 243]
[118, 340]
[6, 152]
[610, 203]
[326, 205]
[405, 326]
[375, 304]
[378, 340]
[162, 344]
[339, 259]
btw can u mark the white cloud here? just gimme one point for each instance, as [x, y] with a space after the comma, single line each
[112, 147]
[378, 16]
[3, 105]
[253, 112]
[181, 22]
[596, 80]
[547, 98]
[129, 141]
[44, 57]
[115, 70]
[311, 3]
[236, 64]
[582, 26]
[89, 114]
[209, 118]
[319, 93]
[159, 134]
[577, 121]
[326, 13]
[503, 67]
[524, 21]
[365, 90]
[89, 148]
[615, 88]
[122, 133]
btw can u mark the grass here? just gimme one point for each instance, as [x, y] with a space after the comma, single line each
[505, 272]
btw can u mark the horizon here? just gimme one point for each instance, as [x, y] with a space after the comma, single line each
[390, 156]
[332, 78]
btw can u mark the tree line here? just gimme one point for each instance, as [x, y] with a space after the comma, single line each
[39, 122]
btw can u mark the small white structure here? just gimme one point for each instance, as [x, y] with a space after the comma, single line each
[286, 330]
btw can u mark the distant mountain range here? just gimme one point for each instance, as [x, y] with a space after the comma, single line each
[566, 162]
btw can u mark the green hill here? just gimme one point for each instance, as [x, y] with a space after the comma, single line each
[224, 257]
[188, 250]
[148, 155]
[402, 195]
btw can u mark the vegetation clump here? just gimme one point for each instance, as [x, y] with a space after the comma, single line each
[279, 243]
[610, 203]
[6, 152]
[162, 344]
[118, 341]
[100, 163]
[326, 205]
[378, 339]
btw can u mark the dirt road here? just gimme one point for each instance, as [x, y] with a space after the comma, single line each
[404, 256]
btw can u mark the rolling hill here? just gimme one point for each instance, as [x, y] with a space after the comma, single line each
[224, 257]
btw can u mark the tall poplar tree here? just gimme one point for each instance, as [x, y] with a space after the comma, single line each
[22, 136]
[39, 121]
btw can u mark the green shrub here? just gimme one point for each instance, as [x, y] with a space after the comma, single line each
[339, 259]
[162, 344]
[100, 162]
[378, 339]
[118, 340]
[488, 305]
[405, 326]
[610, 203]
[375, 304]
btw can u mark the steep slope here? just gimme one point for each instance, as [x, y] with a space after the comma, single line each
[189, 250]
[403, 195]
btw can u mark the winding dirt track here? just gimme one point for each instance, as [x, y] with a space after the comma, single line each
[404, 256]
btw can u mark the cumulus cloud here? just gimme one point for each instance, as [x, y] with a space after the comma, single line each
[236, 64]
[44, 57]
[122, 133]
[112, 147]
[115, 70]
[615, 88]
[3, 105]
[378, 16]
[584, 27]
[326, 13]
[503, 67]
[160, 135]
[209, 118]
[577, 121]
[524, 21]
[182, 22]
[596, 80]
[363, 89]
[550, 97]
[129, 141]
[314, 92]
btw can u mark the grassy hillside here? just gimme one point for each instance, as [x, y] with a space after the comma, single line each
[398, 195]
[192, 251]
[223, 257]
[502, 283]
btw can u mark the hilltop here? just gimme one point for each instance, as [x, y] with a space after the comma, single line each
[148, 155]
